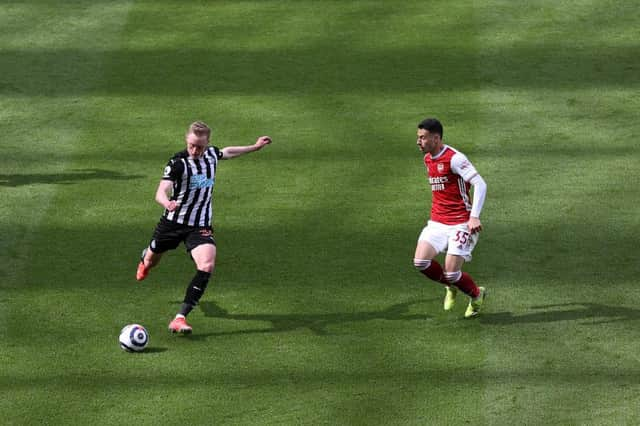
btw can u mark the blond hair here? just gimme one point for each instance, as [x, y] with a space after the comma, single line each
[199, 128]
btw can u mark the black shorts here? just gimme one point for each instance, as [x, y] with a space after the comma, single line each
[168, 235]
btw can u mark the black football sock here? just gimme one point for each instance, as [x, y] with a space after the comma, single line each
[185, 308]
[195, 291]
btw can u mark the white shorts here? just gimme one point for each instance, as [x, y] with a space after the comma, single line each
[456, 238]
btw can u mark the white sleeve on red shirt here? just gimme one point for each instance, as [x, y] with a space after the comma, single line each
[461, 165]
[479, 193]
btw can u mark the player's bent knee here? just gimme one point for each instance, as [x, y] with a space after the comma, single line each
[421, 264]
[452, 277]
[205, 267]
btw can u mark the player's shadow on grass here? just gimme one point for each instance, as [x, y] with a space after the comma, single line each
[66, 178]
[591, 313]
[316, 323]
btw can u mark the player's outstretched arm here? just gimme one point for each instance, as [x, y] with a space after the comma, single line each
[236, 151]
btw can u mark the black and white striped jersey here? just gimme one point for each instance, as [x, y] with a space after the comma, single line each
[193, 181]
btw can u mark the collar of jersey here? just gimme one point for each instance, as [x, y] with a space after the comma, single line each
[444, 148]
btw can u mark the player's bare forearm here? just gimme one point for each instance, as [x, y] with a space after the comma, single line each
[162, 195]
[236, 151]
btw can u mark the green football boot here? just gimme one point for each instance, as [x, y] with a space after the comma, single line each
[475, 304]
[450, 298]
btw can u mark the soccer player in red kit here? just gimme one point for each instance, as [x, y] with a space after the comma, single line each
[455, 217]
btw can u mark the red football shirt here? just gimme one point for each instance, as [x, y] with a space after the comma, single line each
[449, 173]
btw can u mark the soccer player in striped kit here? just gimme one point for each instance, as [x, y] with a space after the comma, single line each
[455, 217]
[185, 191]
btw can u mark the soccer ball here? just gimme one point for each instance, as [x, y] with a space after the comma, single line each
[134, 338]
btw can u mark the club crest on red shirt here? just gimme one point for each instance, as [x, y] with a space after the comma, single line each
[440, 167]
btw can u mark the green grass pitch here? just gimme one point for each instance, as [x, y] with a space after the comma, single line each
[315, 314]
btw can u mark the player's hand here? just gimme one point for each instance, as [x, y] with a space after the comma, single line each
[173, 204]
[262, 141]
[474, 225]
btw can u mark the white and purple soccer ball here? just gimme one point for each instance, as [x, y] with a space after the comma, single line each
[134, 338]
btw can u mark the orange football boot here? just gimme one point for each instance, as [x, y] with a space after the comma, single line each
[142, 272]
[179, 325]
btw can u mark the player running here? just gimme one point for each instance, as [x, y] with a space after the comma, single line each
[455, 219]
[185, 191]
